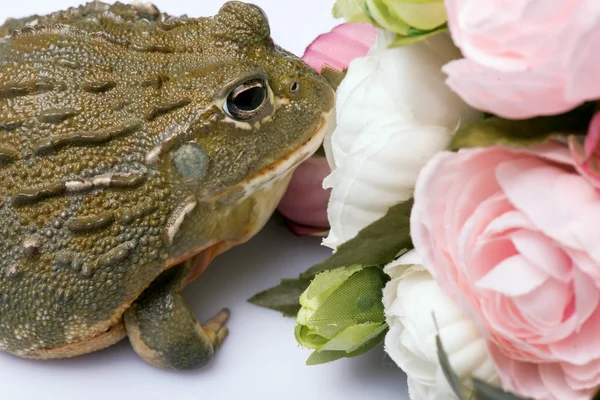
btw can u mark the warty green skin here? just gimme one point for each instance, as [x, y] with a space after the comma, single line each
[95, 103]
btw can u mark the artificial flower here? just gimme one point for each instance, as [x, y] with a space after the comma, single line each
[394, 112]
[408, 18]
[586, 158]
[342, 311]
[338, 47]
[417, 310]
[525, 58]
[304, 204]
[511, 235]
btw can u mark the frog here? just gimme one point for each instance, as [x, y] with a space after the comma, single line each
[135, 147]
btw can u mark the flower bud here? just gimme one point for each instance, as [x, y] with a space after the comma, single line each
[407, 18]
[342, 311]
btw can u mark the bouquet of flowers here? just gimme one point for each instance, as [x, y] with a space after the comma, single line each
[460, 188]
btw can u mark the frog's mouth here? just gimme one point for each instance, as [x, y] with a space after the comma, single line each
[279, 168]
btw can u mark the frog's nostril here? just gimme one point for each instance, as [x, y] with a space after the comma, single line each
[294, 87]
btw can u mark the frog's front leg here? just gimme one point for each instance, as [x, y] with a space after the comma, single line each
[164, 331]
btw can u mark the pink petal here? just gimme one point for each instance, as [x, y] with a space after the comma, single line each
[587, 296]
[506, 321]
[553, 150]
[543, 253]
[515, 95]
[554, 379]
[582, 70]
[583, 262]
[514, 276]
[586, 158]
[477, 253]
[517, 376]
[592, 138]
[340, 46]
[582, 376]
[305, 201]
[534, 306]
[526, 181]
[581, 347]
[512, 219]
[475, 173]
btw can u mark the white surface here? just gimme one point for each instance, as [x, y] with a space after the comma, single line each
[260, 358]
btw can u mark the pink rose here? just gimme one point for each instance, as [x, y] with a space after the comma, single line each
[512, 235]
[341, 45]
[586, 157]
[525, 58]
[304, 204]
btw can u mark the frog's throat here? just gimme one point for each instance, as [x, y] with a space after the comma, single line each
[287, 163]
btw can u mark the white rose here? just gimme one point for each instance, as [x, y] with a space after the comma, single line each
[411, 299]
[394, 112]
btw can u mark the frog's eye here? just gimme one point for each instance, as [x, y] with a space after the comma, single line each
[294, 87]
[247, 100]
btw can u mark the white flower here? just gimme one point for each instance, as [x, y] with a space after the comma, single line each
[411, 299]
[394, 112]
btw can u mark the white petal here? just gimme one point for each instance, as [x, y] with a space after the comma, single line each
[393, 113]
[411, 298]
[380, 174]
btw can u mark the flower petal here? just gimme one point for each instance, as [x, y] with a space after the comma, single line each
[554, 379]
[305, 201]
[514, 95]
[340, 46]
[502, 278]
[525, 181]
[363, 188]
[543, 253]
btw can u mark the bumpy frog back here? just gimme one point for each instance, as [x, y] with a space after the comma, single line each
[85, 96]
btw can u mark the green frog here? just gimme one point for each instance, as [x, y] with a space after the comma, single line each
[134, 148]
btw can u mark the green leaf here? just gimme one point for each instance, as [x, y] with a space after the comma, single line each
[284, 297]
[522, 133]
[414, 36]
[376, 244]
[484, 391]
[325, 356]
[354, 337]
[449, 373]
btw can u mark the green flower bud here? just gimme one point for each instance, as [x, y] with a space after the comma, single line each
[342, 313]
[411, 20]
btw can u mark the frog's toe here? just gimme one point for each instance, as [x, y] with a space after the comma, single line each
[215, 327]
[164, 331]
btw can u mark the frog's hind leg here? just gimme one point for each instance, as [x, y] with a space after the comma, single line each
[164, 331]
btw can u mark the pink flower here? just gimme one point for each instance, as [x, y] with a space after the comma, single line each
[341, 45]
[304, 204]
[512, 236]
[525, 58]
[586, 157]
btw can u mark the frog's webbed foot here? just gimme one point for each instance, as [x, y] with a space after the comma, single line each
[164, 331]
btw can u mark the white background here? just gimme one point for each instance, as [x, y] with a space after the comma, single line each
[260, 358]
